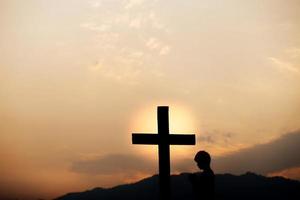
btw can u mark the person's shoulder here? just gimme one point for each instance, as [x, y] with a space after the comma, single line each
[195, 174]
[208, 173]
[211, 172]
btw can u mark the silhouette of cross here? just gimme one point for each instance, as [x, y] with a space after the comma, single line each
[163, 139]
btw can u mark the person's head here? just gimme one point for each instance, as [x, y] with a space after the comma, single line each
[202, 158]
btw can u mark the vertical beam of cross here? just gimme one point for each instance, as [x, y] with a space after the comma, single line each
[163, 139]
[163, 152]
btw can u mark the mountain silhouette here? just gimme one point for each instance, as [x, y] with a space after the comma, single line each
[247, 186]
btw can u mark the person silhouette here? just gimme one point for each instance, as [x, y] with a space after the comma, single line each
[203, 183]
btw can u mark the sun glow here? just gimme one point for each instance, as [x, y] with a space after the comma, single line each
[181, 121]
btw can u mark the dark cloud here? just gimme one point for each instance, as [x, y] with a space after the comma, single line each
[277, 155]
[206, 138]
[114, 164]
[214, 137]
[280, 154]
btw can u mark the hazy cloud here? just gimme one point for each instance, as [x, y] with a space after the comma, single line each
[220, 142]
[164, 50]
[288, 61]
[284, 65]
[94, 27]
[95, 4]
[276, 155]
[206, 138]
[215, 137]
[293, 173]
[124, 57]
[135, 23]
[155, 44]
[114, 164]
[132, 3]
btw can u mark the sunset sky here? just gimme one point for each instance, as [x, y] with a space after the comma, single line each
[79, 76]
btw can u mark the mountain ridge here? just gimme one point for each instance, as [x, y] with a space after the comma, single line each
[228, 186]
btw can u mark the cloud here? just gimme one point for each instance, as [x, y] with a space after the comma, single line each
[126, 69]
[155, 22]
[289, 61]
[215, 137]
[164, 50]
[220, 143]
[288, 173]
[114, 164]
[132, 3]
[95, 4]
[94, 27]
[277, 155]
[155, 44]
[126, 58]
[135, 23]
[97, 66]
[206, 138]
[284, 65]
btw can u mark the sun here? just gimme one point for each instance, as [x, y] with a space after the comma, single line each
[181, 121]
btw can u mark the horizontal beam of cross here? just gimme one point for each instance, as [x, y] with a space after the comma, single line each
[173, 139]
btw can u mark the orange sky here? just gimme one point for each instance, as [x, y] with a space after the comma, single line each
[78, 77]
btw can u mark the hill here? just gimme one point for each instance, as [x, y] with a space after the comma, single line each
[247, 186]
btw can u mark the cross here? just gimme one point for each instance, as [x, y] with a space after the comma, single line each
[163, 139]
